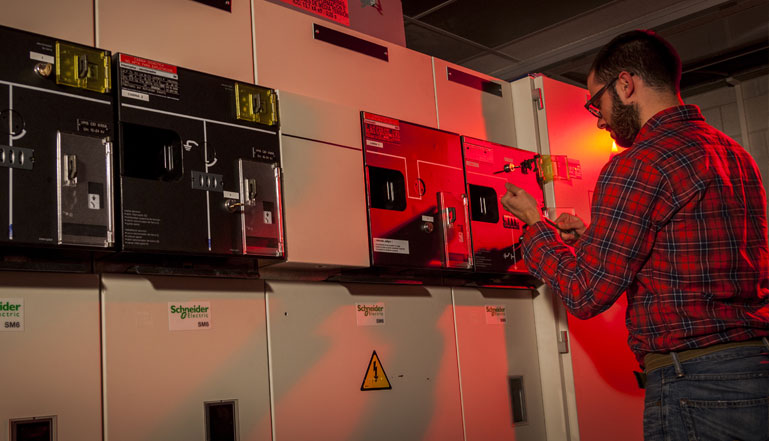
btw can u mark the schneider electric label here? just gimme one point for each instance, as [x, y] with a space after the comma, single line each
[11, 314]
[189, 316]
[495, 315]
[370, 314]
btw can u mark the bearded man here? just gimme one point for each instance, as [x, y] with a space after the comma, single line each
[679, 225]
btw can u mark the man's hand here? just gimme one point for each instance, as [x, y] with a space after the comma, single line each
[570, 227]
[521, 204]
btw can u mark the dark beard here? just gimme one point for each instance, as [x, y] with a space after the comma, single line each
[625, 121]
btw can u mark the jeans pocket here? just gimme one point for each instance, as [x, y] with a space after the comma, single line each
[653, 422]
[744, 420]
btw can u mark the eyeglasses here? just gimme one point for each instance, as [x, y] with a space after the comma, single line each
[592, 104]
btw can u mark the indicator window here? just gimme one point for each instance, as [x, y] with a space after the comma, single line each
[221, 420]
[483, 204]
[151, 153]
[387, 189]
[34, 429]
[517, 399]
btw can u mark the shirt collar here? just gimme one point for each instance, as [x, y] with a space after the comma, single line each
[686, 112]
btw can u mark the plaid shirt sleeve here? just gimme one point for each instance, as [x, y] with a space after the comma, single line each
[631, 200]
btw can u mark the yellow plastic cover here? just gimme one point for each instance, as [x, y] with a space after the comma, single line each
[553, 167]
[256, 104]
[83, 67]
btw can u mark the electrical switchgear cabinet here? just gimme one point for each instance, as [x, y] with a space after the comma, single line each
[199, 162]
[496, 233]
[56, 132]
[418, 211]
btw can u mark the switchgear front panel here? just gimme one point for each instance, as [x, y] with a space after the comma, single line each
[496, 233]
[500, 372]
[199, 162]
[321, 356]
[418, 209]
[56, 134]
[49, 332]
[324, 195]
[186, 356]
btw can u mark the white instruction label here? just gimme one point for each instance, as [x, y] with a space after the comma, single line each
[230, 195]
[372, 143]
[37, 56]
[189, 316]
[12, 314]
[495, 314]
[135, 95]
[392, 246]
[370, 314]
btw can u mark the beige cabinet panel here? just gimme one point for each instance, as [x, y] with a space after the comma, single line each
[52, 362]
[70, 20]
[290, 59]
[324, 196]
[158, 377]
[465, 108]
[320, 356]
[184, 33]
[498, 356]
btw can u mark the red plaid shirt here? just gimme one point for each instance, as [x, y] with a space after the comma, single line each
[679, 223]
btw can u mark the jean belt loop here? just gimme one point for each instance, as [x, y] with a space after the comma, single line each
[766, 342]
[677, 364]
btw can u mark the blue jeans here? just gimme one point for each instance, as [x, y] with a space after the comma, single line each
[722, 396]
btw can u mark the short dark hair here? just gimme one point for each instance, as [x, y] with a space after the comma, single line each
[644, 53]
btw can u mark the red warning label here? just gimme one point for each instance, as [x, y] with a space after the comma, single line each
[335, 10]
[139, 77]
[148, 64]
[382, 128]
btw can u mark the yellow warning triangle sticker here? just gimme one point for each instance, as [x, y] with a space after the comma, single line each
[375, 375]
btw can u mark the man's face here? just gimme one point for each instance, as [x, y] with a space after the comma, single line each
[622, 121]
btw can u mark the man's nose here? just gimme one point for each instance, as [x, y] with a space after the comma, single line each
[601, 123]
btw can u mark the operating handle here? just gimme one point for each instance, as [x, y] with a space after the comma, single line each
[507, 168]
[233, 206]
[525, 166]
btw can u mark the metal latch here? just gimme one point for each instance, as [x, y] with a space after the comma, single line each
[451, 216]
[249, 198]
[70, 170]
[82, 66]
[563, 342]
[536, 95]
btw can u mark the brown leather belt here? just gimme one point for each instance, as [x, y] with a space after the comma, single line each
[655, 361]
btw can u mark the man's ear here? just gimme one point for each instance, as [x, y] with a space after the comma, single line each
[626, 85]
